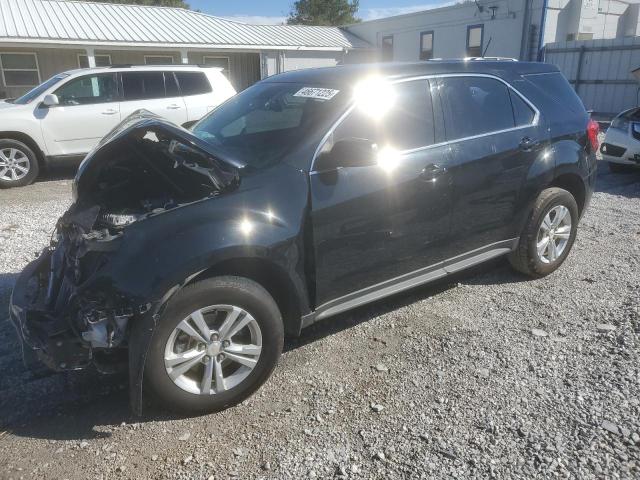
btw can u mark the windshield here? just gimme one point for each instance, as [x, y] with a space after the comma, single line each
[262, 124]
[37, 91]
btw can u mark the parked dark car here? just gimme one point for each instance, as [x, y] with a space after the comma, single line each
[188, 255]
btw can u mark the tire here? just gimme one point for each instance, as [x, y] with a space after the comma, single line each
[620, 168]
[525, 257]
[14, 157]
[242, 293]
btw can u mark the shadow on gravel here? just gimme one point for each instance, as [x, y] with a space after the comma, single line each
[624, 184]
[57, 173]
[85, 404]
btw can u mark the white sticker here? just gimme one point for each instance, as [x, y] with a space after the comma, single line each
[319, 93]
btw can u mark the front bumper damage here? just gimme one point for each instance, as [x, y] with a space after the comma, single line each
[62, 308]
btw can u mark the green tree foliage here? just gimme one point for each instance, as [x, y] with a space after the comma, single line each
[155, 3]
[323, 12]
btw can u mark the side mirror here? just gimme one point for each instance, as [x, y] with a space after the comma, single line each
[348, 152]
[50, 100]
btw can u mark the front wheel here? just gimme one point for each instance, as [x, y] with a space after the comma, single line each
[216, 343]
[549, 234]
[18, 164]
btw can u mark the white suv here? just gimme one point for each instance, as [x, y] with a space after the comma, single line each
[62, 119]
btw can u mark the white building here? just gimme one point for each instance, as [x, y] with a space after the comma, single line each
[39, 38]
[503, 28]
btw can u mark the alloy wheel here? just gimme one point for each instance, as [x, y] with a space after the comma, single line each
[554, 234]
[213, 350]
[14, 164]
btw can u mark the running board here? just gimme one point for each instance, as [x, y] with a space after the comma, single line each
[408, 281]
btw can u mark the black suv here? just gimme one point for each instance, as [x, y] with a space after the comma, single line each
[188, 255]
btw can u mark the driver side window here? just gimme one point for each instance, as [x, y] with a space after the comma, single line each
[87, 90]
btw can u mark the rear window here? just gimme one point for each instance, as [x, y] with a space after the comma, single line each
[193, 83]
[142, 85]
[557, 87]
[476, 105]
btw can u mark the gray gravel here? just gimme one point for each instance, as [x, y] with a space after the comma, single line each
[487, 374]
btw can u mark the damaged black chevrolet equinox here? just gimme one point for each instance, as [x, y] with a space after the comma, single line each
[188, 255]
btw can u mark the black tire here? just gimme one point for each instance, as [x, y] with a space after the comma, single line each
[525, 257]
[236, 291]
[30, 158]
[620, 168]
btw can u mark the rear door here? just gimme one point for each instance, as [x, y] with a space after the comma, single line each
[495, 138]
[197, 93]
[155, 91]
[373, 224]
[89, 108]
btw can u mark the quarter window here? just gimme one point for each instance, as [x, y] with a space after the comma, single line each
[193, 83]
[522, 113]
[387, 48]
[474, 40]
[101, 60]
[475, 105]
[409, 124]
[87, 90]
[426, 45]
[19, 69]
[142, 85]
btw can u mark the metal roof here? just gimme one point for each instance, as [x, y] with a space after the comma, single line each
[89, 23]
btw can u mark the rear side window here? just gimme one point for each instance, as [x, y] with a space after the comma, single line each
[475, 105]
[142, 85]
[193, 83]
[409, 124]
[557, 87]
[522, 113]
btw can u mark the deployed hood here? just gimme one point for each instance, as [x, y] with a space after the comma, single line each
[147, 159]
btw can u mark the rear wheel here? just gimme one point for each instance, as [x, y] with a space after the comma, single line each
[18, 164]
[620, 168]
[217, 342]
[549, 234]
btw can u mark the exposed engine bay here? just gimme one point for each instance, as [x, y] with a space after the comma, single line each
[65, 307]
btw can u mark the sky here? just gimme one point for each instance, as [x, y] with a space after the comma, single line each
[276, 11]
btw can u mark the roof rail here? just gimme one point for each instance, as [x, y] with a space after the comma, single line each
[130, 65]
[474, 59]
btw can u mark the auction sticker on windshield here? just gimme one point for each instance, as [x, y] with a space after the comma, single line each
[319, 93]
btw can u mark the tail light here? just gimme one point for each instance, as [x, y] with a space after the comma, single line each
[593, 129]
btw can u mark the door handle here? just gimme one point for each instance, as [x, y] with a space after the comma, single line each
[173, 106]
[527, 144]
[110, 111]
[431, 172]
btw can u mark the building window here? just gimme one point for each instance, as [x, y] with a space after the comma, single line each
[221, 62]
[474, 40]
[426, 45]
[387, 48]
[19, 69]
[158, 59]
[101, 60]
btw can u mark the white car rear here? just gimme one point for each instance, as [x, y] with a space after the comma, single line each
[61, 120]
[621, 146]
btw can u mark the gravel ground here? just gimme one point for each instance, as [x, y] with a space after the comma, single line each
[486, 374]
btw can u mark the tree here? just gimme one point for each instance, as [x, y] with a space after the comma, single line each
[155, 3]
[323, 12]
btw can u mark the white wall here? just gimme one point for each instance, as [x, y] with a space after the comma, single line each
[449, 25]
[287, 60]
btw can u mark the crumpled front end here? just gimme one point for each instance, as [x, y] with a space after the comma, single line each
[61, 306]
[74, 305]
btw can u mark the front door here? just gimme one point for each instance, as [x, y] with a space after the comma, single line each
[494, 137]
[372, 224]
[155, 91]
[88, 109]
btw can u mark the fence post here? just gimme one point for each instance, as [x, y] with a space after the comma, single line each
[579, 69]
